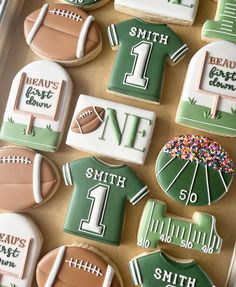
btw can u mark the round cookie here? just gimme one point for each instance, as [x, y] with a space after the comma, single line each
[21, 243]
[77, 265]
[194, 170]
[49, 28]
[88, 4]
[27, 179]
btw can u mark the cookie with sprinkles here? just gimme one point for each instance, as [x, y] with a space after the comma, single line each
[194, 170]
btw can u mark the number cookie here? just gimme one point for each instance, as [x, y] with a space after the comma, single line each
[58, 24]
[159, 269]
[208, 99]
[27, 179]
[37, 106]
[97, 206]
[181, 12]
[199, 233]
[20, 248]
[194, 170]
[111, 129]
[88, 4]
[143, 49]
[77, 265]
[224, 25]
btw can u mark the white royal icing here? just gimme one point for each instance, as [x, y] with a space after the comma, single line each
[202, 88]
[185, 11]
[37, 178]
[108, 277]
[37, 24]
[83, 36]
[19, 228]
[49, 72]
[56, 266]
[103, 140]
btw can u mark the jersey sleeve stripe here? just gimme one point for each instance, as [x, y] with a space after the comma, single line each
[115, 34]
[138, 272]
[67, 175]
[139, 195]
[110, 37]
[135, 272]
[179, 55]
[178, 51]
[143, 195]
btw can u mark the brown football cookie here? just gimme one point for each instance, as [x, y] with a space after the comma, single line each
[63, 33]
[88, 120]
[77, 265]
[27, 179]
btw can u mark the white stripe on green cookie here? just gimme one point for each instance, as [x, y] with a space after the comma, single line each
[194, 170]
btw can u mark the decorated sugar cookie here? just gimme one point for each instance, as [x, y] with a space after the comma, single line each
[97, 205]
[181, 12]
[27, 178]
[159, 269]
[37, 106]
[21, 242]
[194, 170]
[143, 49]
[111, 129]
[231, 280]
[157, 226]
[224, 25]
[208, 99]
[77, 265]
[73, 35]
[88, 4]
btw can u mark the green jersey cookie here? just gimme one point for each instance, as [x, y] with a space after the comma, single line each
[199, 233]
[224, 25]
[143, 49]
[97, 206]
[194, 170]
[88, 4]
[158, 269]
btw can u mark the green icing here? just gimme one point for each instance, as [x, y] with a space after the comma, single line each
[190, 183]
[194, 115]
[97, 206]
[225, 25]
[41, 139]
[157, 269]
[143, 49]
[82, 3]
[199, 234]
[134, 122]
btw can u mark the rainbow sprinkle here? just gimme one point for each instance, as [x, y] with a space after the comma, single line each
[200, 149]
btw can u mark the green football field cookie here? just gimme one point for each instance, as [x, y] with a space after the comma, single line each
[194, 170]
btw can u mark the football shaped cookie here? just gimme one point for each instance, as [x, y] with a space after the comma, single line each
[63, 33]
[77, 265]
[88, 120]
[27, 179]
[88, 4]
